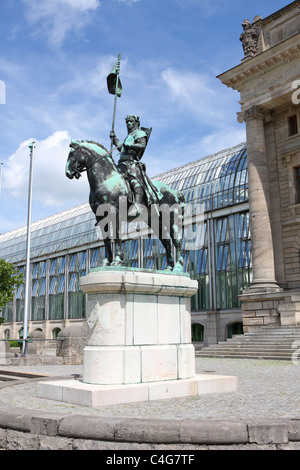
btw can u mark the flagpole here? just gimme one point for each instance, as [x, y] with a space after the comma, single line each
[27, 275]
[116, 99]
[1, 172]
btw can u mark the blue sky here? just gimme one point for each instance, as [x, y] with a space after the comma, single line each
[55, 56]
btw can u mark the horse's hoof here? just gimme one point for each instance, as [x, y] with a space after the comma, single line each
[133, 212]
[168, 268]
[117, 262]
[106, 262]
[178, 268]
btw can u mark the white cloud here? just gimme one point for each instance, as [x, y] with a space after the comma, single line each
[50, 185]
[56, 19]
[128, 2]
[82, 4]
[186, 85]
[200, 95]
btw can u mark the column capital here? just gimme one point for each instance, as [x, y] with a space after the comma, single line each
[255, 112]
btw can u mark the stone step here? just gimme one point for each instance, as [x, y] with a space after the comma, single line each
[18, 374]
[276, 340]
[257, 344]
[249, 351]
[246, 356]
[8, 378]
[273, 333]
[245, 348]
[251, 347]
[267, 342]
[278, 328]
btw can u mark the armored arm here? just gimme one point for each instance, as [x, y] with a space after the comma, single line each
[115, 140]
[137, 145]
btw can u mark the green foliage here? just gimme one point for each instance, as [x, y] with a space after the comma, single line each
[9, 279]
[14, 344]
[2, 320]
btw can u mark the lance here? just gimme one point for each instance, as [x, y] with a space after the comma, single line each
[115, 88]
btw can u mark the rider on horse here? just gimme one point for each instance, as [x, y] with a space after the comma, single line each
[131, 153]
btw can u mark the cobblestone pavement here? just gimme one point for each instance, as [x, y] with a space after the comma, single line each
[266, 389]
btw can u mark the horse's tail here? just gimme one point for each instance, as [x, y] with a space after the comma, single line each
[181, 199]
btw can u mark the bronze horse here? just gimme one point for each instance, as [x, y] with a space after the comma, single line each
[108, 185]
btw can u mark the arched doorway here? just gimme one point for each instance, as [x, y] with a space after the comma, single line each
[197, 333]
[55, 332]
[235, 329]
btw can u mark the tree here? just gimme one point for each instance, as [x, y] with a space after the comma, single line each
[9, 279]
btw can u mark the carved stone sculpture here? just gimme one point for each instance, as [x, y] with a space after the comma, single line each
[249, 39]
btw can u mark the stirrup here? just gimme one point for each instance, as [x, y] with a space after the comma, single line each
[134, 210]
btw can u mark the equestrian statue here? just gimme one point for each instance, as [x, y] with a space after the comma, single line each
[127, 185]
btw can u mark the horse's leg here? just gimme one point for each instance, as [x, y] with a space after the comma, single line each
[119, 256]
[108, 257]
[166, 242]
[108, 253]
[162, 233]
[169, 255]
[176, 235]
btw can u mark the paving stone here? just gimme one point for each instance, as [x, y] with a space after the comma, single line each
[266, 389]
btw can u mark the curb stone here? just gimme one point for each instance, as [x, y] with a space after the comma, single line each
[30, 429]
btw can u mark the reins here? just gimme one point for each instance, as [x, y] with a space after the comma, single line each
[98, 159]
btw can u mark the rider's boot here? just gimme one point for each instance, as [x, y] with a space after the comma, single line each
[137, 207]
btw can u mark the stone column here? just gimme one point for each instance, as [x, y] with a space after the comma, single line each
[259, 201]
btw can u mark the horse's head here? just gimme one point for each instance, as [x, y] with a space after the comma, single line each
[77, 160]
[82, 155]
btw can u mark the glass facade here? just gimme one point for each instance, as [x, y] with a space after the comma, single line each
[57, 279]
[66, 245]
[216, 181]
[38, 295]
[221, 259]
[76, 298]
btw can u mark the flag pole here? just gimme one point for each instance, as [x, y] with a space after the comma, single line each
[116, 97]
[27, 275]
[1, 173]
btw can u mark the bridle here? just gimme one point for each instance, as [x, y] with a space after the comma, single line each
[90, 164]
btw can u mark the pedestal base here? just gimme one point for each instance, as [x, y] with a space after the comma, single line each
[79, 393]
[138, 342]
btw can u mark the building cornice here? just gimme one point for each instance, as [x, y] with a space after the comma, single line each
[262, 64]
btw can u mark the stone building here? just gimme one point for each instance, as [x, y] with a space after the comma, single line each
[268, 80]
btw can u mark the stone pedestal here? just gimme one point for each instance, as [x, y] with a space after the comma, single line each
[138, 341]
[5, 353]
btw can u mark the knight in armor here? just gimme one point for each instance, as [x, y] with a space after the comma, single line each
[131, 153]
